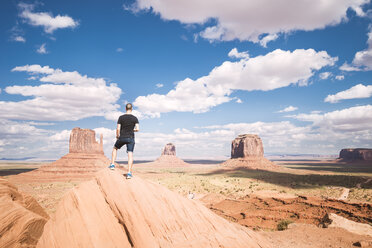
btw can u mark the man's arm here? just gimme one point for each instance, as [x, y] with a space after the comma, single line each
[136, 128]
[118, 131]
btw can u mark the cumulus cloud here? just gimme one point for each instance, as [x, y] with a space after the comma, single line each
[44, 19]
[357, 91]
[42, 49]
[325, 75]
[19, 39]
[347, 67]
[357, 118]
[61, 96]
[159, 85]
[340, 77]
[256, 20]
[239, 55]
[288, 109]
[274, 70]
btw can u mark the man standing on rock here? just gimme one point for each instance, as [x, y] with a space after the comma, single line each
[127, 125]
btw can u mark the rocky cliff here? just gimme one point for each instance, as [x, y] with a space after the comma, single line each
[356, 154]
[168, 158]
[169, 149]
[138, 213]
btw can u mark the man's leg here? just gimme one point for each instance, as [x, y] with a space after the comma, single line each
[130, 161]
[113, 155]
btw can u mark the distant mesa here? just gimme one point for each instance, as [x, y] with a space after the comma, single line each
[84, 141]
[138, 213]
[168, 158]
[22, 218]
[247, 151]
[84, 159]
[169, 149]
[352, 154]
[247, 146]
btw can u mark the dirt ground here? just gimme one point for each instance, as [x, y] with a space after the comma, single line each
[301, 192]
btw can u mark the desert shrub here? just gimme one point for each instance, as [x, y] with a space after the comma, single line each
[283, 225]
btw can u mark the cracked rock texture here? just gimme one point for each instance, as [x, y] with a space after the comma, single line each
[22, 218]
[110, 211]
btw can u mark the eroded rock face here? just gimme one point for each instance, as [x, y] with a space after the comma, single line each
[84, 141]
[137, 213]
[356, 154]
[22, 219]
[247, 146]
[85, 158]
[169, 149]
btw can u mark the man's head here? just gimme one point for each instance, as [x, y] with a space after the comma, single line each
[128, 107]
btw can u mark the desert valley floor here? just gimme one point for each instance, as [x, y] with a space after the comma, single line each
[295, 197]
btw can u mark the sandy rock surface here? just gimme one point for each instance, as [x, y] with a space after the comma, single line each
[22, 218]
[111, 211]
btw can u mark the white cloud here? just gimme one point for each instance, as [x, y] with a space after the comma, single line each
[159, 85]
[45, 20]
[288, 109]
[266, 72]
[267, 39]
[61, 96]
[347, 67]
[239, 55]
[357, 91]
[350, 119]
[238, 100]
[324, 75]
[42, 49]
[340, 77]
[250, 20]
[19, 39]
[119, 50]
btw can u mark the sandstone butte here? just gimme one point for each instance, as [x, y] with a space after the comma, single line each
[168, 158]
[351, 154]
[110, 211]
[247, 151]
[22, 218]
[85, 158]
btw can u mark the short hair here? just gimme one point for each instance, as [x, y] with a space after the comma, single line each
[128, 106]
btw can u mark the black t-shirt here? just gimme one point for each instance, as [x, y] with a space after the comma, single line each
[127, 122]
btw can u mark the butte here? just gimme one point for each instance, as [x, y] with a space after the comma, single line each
[84, 159]
[247, 151]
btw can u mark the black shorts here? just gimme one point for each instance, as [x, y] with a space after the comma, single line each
[125, 141]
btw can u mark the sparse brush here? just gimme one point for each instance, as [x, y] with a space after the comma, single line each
[283, 225]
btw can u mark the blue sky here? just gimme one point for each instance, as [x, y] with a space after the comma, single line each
[198, 73]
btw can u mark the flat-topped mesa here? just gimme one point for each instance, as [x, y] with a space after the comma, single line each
[247, 151]
[350, 154]
[247, 146]
[169, 149]
[84, 141]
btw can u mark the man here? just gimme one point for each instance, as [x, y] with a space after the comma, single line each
[127, 125]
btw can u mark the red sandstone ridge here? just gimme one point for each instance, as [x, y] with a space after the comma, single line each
[85, 158]
[22, 218]
[247, 151]
[361, 154]
[140, 214]
[168, 158]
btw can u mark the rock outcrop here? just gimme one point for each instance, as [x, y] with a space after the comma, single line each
[85, 158]
[169, 149]
[84, 141]
[168, 158]
[22, 218]
[137, 213]
[247, 151]
[247, 146]
[350, 154]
